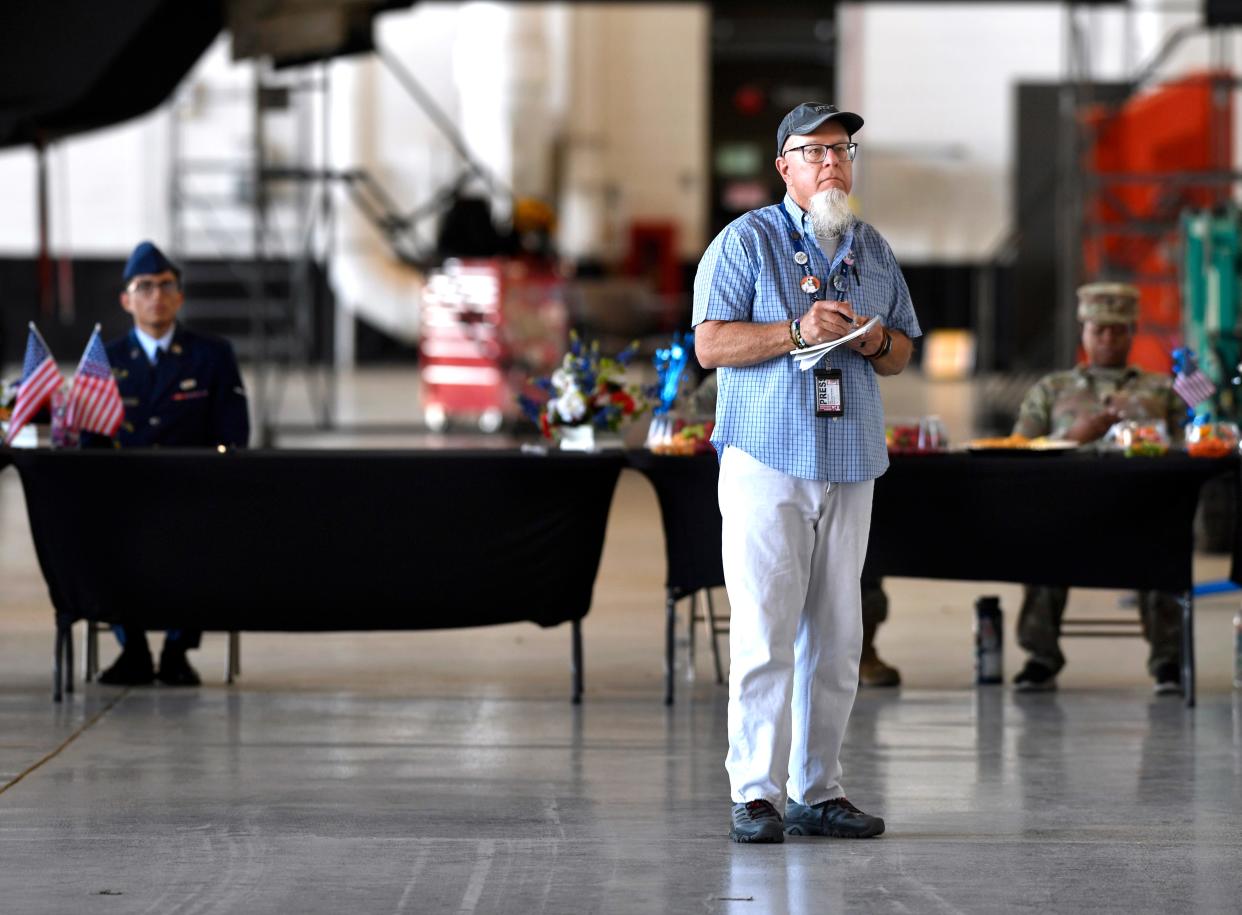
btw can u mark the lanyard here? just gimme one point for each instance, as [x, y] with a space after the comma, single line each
[842, 261]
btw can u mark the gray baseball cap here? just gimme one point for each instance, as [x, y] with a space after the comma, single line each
[808, 117]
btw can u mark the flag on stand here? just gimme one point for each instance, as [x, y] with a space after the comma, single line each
[94, 399]
[40, 377]
[1194, 387]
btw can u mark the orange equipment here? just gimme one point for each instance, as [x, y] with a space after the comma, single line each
[1160, 153]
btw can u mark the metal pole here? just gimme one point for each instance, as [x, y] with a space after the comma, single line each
[176, 230]
[258, 319]
[47, 298]
[1069, 191]
[985, 317]
[327, 361]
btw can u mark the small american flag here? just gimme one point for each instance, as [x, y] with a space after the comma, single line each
[94, 400]
[1194, 388]
[40, 377]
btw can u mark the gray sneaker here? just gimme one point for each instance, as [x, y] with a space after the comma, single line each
[756, 821]
[837, 818]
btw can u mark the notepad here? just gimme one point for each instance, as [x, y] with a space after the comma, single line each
[808, 356]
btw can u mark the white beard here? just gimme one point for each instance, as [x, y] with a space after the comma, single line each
[830, 213]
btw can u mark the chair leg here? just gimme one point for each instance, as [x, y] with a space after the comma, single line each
[715, 632]
[233, 669]
[63, 634]
[68, 665]
[1187, 601]
[691, 618]
[576, 662]
[670, 637]
[90, 663]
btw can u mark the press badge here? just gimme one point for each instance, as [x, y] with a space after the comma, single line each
[829, 396]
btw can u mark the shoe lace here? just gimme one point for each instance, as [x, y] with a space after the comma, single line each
[761, 810]
[843, 803]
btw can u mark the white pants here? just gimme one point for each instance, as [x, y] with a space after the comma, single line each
[793, 552]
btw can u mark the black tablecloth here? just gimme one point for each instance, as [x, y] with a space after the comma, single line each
[1093, 520]
[690, 514]
[1074, 519]
[286, 540]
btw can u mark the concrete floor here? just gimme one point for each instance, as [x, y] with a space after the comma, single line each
[447, 772]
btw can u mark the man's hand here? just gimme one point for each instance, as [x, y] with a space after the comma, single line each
[869, 343]
[1091, 426]
[826, 321]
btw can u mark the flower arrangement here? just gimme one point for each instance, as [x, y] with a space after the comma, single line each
[587, 390]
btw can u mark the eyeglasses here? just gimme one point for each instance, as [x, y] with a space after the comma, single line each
[817, 152]
[150, 287]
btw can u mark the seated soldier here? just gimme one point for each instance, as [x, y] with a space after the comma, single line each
[179, 388]
[1081, 405]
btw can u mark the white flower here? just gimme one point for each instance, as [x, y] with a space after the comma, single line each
[563, 381]
[571, 406]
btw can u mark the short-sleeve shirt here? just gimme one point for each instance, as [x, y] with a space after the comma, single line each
[748, 273]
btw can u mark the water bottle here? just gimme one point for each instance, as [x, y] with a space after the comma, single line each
[989, 641]
[1237, 650]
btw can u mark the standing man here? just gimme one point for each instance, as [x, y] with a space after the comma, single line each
[799, 453]
[179, 388]
[1081, 405]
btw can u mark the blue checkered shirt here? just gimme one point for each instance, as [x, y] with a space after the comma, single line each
[748, 273]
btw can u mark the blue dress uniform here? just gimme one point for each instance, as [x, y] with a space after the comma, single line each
[179, 388]
[192, 397]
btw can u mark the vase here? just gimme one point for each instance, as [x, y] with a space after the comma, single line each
[577, 438]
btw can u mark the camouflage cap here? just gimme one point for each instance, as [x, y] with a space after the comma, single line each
[1108, 303]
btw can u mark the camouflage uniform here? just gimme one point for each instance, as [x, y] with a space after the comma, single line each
[702, 401]
[1050, 408]
[874, 611]
[1057, 400]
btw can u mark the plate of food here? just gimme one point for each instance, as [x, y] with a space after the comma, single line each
[1019, 444]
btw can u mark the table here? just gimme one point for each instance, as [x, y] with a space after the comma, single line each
[238, 541]
[317, 540]
[690, 515]
[1077, 519]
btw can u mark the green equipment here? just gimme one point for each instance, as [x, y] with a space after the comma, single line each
[1211, 259]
